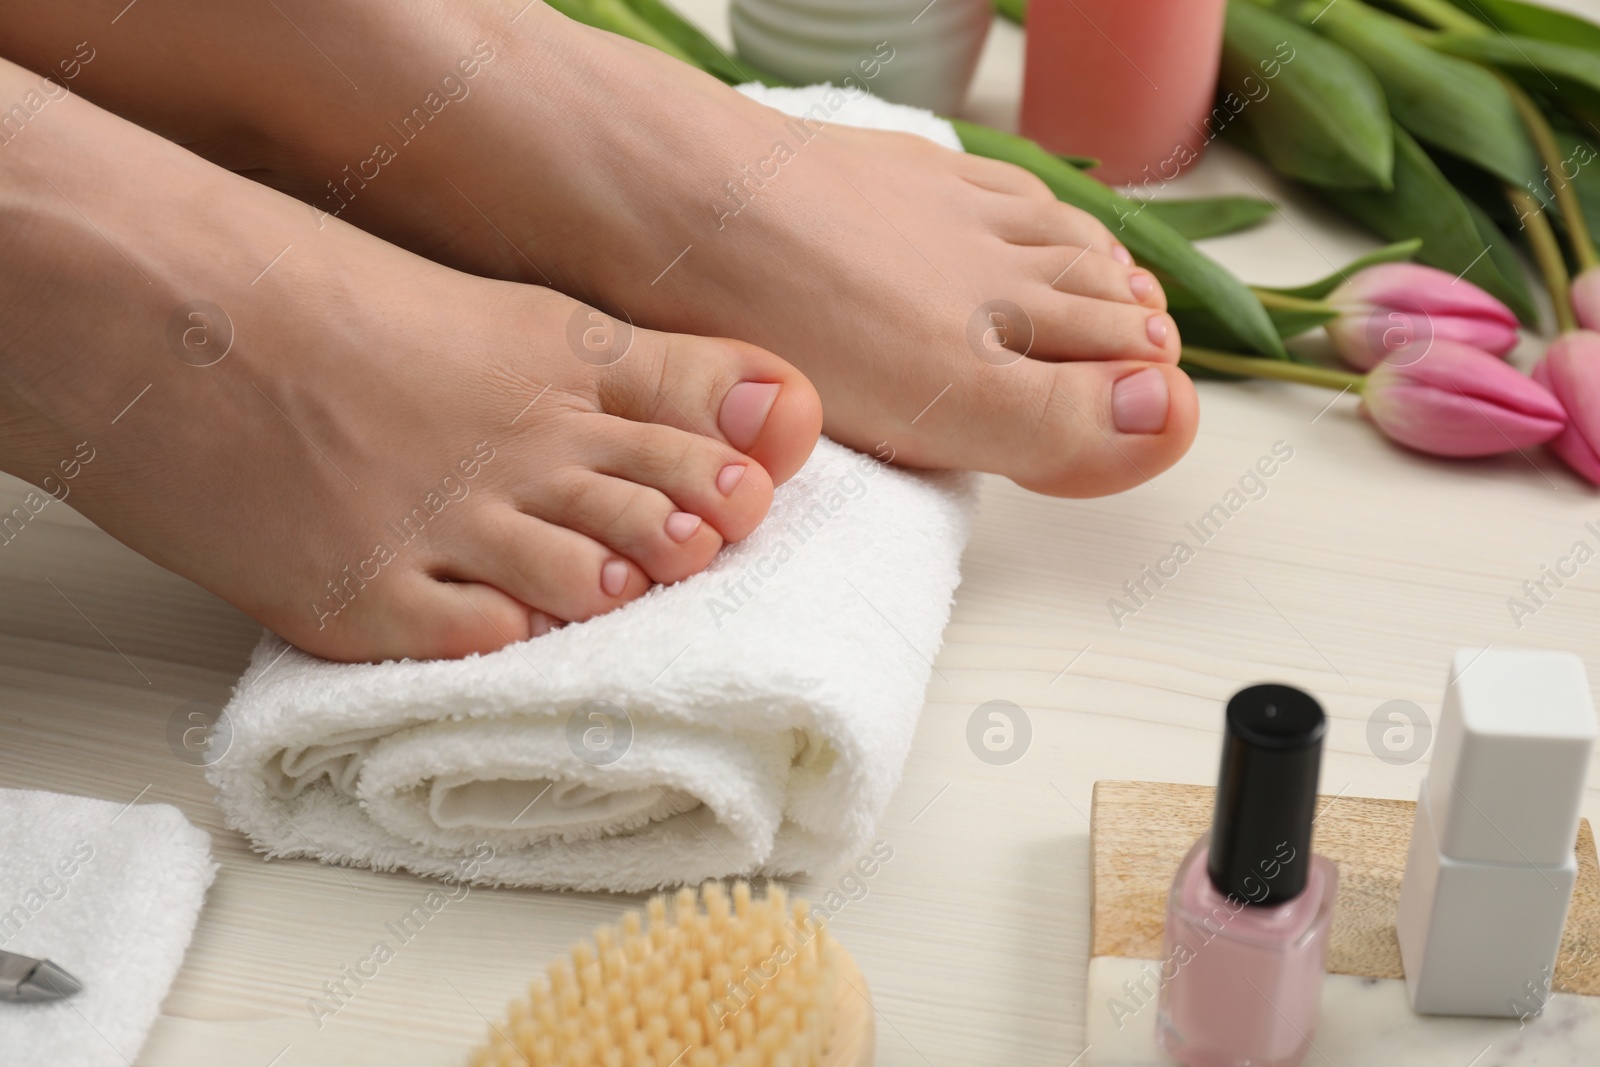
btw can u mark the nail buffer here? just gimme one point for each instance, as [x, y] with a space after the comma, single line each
[24, 979]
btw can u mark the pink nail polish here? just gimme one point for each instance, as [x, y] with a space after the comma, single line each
[613, 577]
[1157, 329]
[681, 526]
[1250, 909]
[1142, 286]
[728, 478]
[1139, 402]
[744, 411]
[1122, 255]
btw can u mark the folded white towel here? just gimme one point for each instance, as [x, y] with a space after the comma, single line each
[751, 719]
[109, 892]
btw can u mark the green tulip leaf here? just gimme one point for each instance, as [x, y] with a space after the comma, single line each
[1398, 252]
[1322, 117]
[1537, 64]
[1534, 20]
[1582, 157]
[1210, 216]
[1456, 235]
[1453, 104]
[1015, 10]
[1154, 243]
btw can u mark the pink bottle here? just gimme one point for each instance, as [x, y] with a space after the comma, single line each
[1129, 82]
[1250, 909]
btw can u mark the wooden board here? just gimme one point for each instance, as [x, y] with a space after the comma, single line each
[1140, 831]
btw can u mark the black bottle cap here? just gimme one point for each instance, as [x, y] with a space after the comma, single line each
[1266, 794]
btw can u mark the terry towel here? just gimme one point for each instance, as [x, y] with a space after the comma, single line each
[110, 892]
[752, 719]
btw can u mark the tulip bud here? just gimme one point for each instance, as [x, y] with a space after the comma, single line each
[1450, 399]
[1392, 305]
[1571, 371]
[1586, 298]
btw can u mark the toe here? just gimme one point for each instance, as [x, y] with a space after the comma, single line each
[419, 617]
[550, 568]
[728, 490]
[1085, 272]
[1001, 177]
[1108, 426]
[1065, 326]
[636, 522]
[1077, 429]
[724, 390]
[1022, 221]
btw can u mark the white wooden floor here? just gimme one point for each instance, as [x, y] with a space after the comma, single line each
[1355, 576]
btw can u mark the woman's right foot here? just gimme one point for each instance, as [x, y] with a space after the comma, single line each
[375, 456]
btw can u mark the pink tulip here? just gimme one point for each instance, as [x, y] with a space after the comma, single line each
[1571, 371]
[1586, 298]
[1396, 304]
[1451, 399]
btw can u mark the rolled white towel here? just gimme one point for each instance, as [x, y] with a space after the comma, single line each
[751, 719]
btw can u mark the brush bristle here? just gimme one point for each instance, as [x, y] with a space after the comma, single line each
[737, 982]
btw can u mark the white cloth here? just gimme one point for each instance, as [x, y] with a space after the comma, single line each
[759, 714]
[109, 892]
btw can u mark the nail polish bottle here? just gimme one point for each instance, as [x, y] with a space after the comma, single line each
[1249, 911]
[1491, 868]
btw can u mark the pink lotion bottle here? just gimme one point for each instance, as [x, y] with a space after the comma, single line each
[1249, 911]
[1129, 82]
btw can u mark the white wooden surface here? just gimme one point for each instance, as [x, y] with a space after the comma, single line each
[1355, 576]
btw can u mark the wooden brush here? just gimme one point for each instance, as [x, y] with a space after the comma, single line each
[725, 983]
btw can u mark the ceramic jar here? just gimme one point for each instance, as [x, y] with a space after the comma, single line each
[908, 51]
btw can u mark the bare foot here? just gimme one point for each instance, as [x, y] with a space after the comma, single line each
[375, 456]
[575, 158]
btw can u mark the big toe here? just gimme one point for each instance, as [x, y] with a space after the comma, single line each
[735, 393]
[1078, 429]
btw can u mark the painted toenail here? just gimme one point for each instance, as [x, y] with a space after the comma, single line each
[744, 411]
[1143, 286]
[728, 478]
[1157, 329]
[614, 575]
[1122, 255]
[1139, 402]
[541, 624]
[681, 526]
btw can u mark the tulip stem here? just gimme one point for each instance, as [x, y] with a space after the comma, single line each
[1271, 299]
[1279, 369]
[1566, 194]
[1546, 253]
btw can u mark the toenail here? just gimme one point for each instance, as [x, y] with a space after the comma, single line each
[614, 575]
[1143, 286]
[744, 411]
[681, 526]
[728, 478]
[1122, 255]
[541, 624]
[1139, 402]
[1157, 329]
